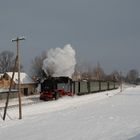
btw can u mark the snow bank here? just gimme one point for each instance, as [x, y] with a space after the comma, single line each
[109, 115]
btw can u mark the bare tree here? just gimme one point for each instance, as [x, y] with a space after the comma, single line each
[132, 75]
[7, 59]
[36, 66]
[98, 72]
[114, 76]
[83, 71]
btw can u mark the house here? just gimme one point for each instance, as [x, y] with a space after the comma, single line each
[28, 86]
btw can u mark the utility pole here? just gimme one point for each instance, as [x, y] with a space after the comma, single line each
[8, 94]
[18, 63]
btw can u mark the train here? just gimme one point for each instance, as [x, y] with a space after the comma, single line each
[52, 88]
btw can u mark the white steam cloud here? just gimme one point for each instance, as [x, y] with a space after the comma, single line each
[60, 62]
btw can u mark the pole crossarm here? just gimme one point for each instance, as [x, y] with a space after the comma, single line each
[18, 39]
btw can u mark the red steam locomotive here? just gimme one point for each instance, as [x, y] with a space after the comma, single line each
[56, 87]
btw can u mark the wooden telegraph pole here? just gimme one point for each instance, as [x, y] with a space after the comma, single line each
[18, 63]
[8, 94]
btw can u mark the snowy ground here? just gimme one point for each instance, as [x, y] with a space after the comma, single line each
[109, 115]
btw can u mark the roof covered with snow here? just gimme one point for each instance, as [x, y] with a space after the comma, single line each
[24, 78]
[1, 74]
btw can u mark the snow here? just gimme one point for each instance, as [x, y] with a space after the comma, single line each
[5, 90]
[110, 115]
[24, 78]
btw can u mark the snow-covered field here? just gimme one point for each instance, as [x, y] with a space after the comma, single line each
[109, 115]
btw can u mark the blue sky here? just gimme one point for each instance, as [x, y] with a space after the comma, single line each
[104, 31]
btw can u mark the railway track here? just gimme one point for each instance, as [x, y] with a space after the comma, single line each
[23, 104]
[14, 107]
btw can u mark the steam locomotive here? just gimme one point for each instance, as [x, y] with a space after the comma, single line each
[55, 87]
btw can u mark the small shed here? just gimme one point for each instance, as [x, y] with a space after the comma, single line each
[28, 86]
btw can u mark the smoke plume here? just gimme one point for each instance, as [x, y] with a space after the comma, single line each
[60, 62]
